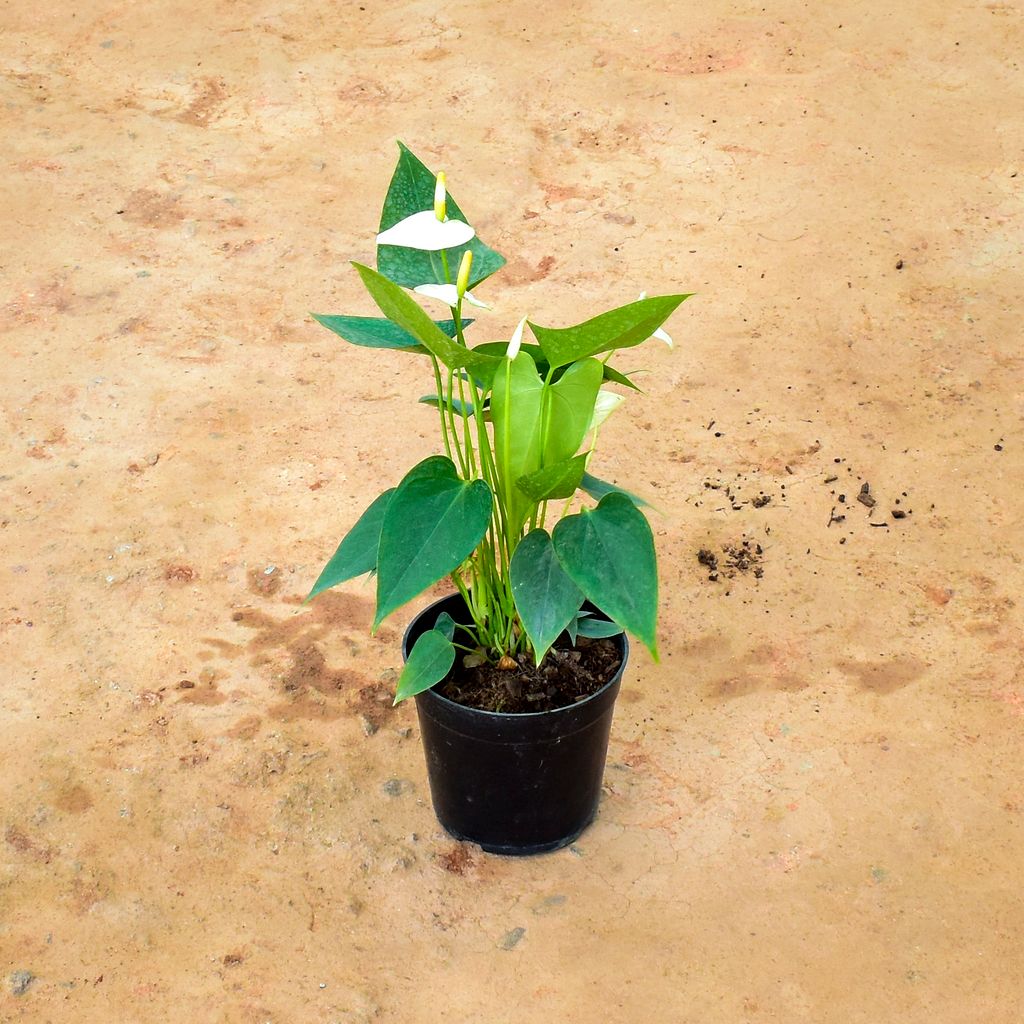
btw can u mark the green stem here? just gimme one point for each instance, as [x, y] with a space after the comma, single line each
[440, 406]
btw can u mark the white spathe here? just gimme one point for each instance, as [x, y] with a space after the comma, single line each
[660, 334]
[607, 402]
[424, 231]
[448, 294]
[517, 339]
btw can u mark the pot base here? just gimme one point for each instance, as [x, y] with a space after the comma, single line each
[519, 849]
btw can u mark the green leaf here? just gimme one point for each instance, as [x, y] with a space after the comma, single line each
[597, 489]
[432, 524]
[357, 553]
[499, 348]
[403, 310]
[619, 328]
[412, 190]
[430, 660]
[556, 481]
[455, 403]
[445, 624]
[610, 373]
[568, 409]
[516, 404]
[545, 597]
[609, 554]
[597, 628]
[375, 332]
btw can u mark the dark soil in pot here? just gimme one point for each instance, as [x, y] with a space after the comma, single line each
[566, 676]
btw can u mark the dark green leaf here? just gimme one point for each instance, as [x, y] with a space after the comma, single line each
[597, 489]
[456, 404]
[597, 628]
[445, 624]
[610, 373]
[357, 553]
[430, 660]
[559, 480]
[412, 190]
[545, 597]
[619, 328]
[432, 524]
[399, 307]
[376, 332]
[609, 554]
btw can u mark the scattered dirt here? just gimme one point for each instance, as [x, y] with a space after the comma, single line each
[458, 860]
[565, 676]
[742, 557]
[734, 496]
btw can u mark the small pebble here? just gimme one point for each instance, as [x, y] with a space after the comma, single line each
[512, 938]
[20, 981]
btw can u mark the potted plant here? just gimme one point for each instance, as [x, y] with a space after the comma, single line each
[516, 673]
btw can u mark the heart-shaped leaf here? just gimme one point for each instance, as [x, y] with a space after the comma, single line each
[557, 481]
[609, 554]
[357, 553]
[618, 328]
[403, 310]
[430, 660]
[432, 524]
[546, 598]
[376, 332]
[411, 191]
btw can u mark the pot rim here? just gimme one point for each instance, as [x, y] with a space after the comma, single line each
[511, 716]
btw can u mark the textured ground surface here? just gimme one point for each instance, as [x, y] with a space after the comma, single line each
[208, 810]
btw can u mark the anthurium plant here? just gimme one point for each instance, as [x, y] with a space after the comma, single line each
[505, 512]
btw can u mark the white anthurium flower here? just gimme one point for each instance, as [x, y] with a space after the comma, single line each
[607, 402]
[424, 231]
[660, 334]
[517, 339]
[448, 294]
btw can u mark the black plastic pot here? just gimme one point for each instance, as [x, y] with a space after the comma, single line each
[515, 784]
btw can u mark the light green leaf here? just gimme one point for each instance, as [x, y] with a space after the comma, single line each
[430, 660]
[619, 328]
[403, 310]
[545, 597]
[432, 524]
[568, 409]
[357, 553]
[609, 554]
[516, 404]
[597, 489]
[376, 332]
[556, 481]
[412, 190]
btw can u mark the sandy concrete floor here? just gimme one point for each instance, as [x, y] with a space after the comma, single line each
[813, 805]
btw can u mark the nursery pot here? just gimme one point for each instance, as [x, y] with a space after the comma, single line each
[515, 784]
